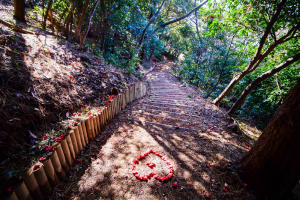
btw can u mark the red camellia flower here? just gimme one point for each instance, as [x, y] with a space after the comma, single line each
[59, 139]
[89, 113]
[48, 148]
[71, 76]
[42, 158]
[75, 123]
[207, 194]
[9, 189]
[102, 76]
[175, 184]
[69, 127]
[79, 114]
[45, 137]
[36, 167]
[207, 166]
[79, 160]
[225, 188]
[151, 165]
[74, 114]
[90, 117]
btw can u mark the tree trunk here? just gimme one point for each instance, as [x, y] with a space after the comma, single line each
[67, 29]
[77, 31]
[259, 57]
[19, 6]
[46, 14]
[272, 165]
[220, 77]
[104, 25]
[82, 39]
[258, 80]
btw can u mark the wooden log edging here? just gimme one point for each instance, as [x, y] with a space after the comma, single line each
[39, 180]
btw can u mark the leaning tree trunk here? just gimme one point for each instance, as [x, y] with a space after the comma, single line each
[77, 31]
[272, 165]
[258, 80]
[19, 6]
[46, 14]
[82, 39]
[258, 57]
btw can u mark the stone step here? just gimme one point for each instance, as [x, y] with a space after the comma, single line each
[167, 103]
[194, 124]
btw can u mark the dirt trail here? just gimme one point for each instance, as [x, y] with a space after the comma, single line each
[175, 121]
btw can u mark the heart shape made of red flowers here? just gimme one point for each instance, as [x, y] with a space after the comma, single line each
[151, 165]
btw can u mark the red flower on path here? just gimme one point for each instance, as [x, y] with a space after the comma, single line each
[71, 76]
[207, 166]
[74, 114]
[207, 194]
[45, 137]
[151, 165]
[79, 160]
[246, 185]
[175, 184]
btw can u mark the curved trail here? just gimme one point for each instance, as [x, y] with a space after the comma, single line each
[174, 121]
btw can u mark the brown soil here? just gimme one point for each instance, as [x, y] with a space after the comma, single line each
[202, 159]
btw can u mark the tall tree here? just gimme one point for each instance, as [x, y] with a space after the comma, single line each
[46, 14]
[261, 78]
[78, 28]
[272, 165]
[284, 11]
[82, 39]
[19, 7]
[144, 41]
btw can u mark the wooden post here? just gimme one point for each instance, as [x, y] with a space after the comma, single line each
[137, 91]
[110, 109]
[31, 184]
[67, 153]
[71, 148]
[81, 135]
[50, 172]
[22, 191]
[99, 123]
[61, 156]
[78, 138]
[127, 95]
[124, 101]
[105, 115]
[89, 127]
[74, 142]
[95, 122]
[131, 93]
[42, 180]
[84, 132]
[60, 173]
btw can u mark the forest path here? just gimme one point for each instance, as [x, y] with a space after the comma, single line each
[186, 130]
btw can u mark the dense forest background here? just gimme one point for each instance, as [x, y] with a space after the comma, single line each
[222, 41]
